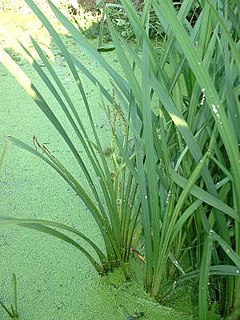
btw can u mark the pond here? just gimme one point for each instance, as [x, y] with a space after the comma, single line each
[54, 280]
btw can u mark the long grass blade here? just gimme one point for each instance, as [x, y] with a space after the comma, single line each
[47, 227]
[204, 278]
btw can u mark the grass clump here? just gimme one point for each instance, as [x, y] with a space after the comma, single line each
[174, 169]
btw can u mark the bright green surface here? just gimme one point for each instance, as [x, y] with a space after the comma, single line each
[55, 281]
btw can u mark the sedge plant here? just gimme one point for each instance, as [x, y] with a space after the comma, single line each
[117, 215]
[13, 310]
[180, 168]
[179, 154]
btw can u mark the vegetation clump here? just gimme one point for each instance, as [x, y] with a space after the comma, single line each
[174, 197]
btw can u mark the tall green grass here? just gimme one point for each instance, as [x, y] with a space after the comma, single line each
[180, 150]
[111, 199]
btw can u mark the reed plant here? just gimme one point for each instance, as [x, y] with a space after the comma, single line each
[111, 198]
[179, 169]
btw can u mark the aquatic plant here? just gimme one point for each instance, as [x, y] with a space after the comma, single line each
[179, 153]
[13, 310]
[112, 195]
[185, 146]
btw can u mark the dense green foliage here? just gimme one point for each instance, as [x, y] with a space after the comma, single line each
[179, 168]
